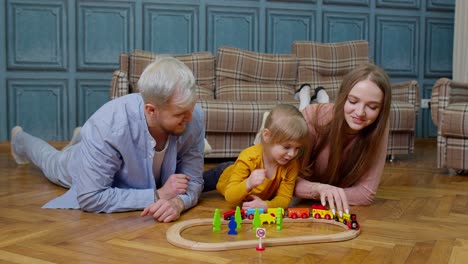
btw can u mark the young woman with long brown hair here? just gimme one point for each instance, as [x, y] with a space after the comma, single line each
[348, 141]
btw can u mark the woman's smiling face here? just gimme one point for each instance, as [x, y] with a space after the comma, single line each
[363, 105]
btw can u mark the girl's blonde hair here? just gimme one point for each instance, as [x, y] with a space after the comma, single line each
[286, 123]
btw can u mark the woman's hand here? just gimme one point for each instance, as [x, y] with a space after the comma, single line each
[335, 197]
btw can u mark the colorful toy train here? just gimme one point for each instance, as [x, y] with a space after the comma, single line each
[318, 212]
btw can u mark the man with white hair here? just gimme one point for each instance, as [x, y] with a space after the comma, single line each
[139, 151]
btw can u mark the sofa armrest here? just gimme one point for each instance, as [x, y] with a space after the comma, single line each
[123, 61]
[407, 92]
[119, 84]
[439, 99]
[444, 93]
[458, 92]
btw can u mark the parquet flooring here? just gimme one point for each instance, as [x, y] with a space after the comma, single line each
[420, 216]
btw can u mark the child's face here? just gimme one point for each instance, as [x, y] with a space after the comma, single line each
[284, 152]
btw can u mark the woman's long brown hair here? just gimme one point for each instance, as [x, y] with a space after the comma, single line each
[362, 154]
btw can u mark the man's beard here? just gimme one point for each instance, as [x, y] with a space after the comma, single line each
[174, 132]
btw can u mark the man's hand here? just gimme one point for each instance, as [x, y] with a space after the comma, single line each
[256, 178]
[165, 210]
[254, 202]
[176, 184]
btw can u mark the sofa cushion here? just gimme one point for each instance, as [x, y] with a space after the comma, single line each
[230, 116]
[202, 65]
[228, 145]
[247, 75]
[325, 64]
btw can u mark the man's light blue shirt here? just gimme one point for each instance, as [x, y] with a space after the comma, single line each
[111, 167]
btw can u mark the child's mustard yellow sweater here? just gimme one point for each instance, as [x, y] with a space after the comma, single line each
[276, 192]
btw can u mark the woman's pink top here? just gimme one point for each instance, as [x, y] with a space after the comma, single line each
[363, 191]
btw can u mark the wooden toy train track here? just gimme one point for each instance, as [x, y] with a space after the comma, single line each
[174, 236]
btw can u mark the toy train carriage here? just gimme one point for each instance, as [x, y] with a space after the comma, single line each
[231, 213]
[271, 215]
[350, 220]
[353, 223]
[345, 218]
[251, 211]
[319, 211]
[298, 212]
[274, 211]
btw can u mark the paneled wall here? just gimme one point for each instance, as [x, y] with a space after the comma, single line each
[57, 56]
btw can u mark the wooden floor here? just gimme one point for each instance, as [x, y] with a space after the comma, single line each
[420, 216]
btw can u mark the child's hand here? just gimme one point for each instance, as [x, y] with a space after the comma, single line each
[256, 178]
[254, 202]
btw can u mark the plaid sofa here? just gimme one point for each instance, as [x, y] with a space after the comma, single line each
[325, 64]
[236, 87]
[449, 111]
[247, 85]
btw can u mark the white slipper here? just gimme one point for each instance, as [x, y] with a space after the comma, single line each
[19, 160]
[75, 137]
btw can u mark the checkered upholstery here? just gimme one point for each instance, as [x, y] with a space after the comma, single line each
[246, 75]
[236, 87]
[247, 85]
[119, 84]
[125, 80]
[449, 111]
[403, 115]
[325, 64]
[231, 125]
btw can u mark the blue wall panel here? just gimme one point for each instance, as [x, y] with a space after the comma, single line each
[38, 106]
[3, 69]
[104, 31]
[409, 4]
[428, 129]
[171, 29]
[232, 26]
[286, 26]
[295, 1]
[57, 56]
[92, 94]
[339, 26]
[444, 5]
[37, 35]
[397, 45]
[439, 47]
[347, 2]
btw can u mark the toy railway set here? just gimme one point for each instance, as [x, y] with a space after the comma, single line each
[317, 214]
